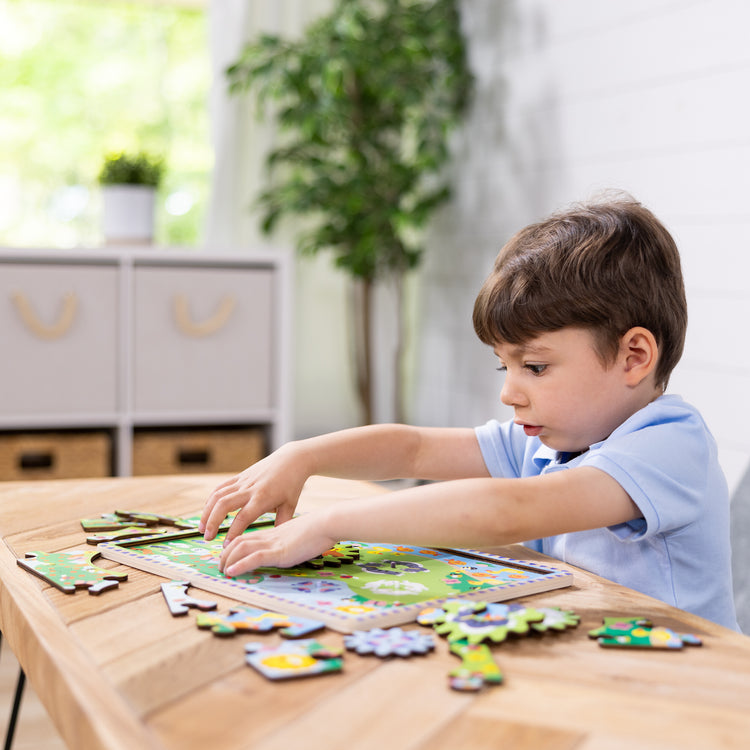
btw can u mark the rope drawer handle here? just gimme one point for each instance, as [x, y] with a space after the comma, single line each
[55, 331]
[208, 327]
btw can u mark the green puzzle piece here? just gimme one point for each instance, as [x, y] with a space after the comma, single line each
[72, 570]
[639, 632]
[478, 667]
[555, 619]
[479, 621]
[614, 626]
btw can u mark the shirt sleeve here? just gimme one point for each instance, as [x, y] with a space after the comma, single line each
[662, 465]
[505, 448]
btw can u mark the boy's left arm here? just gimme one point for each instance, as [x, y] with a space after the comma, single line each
[461, 513]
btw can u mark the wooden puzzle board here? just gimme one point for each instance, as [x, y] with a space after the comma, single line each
[388, 585]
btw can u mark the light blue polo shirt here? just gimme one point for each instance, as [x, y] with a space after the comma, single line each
[665, 458]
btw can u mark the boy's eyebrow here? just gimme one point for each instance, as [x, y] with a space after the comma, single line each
[517, 350]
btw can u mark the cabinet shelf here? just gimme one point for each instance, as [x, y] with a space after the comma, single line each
[128, 338]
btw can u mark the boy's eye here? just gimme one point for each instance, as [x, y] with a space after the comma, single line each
[501, 368]
[536, 369]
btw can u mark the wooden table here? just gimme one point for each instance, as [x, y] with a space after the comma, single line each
[118, 671]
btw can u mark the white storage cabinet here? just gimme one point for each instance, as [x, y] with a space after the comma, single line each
[127, 340]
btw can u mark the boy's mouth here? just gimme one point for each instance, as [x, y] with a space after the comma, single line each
[531, 430]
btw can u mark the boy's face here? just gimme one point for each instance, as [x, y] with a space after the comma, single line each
[562, 391]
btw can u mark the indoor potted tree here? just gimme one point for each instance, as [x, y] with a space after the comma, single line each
[365, 102]
[129, 183]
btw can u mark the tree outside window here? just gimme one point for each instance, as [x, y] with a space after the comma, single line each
[80, 79]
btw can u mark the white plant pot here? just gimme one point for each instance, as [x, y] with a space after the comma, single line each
[128, 214]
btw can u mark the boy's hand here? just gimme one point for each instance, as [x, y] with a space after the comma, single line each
[272, 484]
[292, 543]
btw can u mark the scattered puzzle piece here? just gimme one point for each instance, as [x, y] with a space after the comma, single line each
[133, 516]
[556, 619]
[178, 601]
[152, 519]
[639, 632]
[292, 659]
[107, 522]
[614, 626]
[479, 621]
[248, 619]
[126, 532]
[478, 667]
[388, 642]
[72, 570]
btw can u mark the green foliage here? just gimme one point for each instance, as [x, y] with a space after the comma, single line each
[365, 101]
[131, 169]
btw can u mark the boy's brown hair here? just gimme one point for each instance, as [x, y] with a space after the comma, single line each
[606, 266]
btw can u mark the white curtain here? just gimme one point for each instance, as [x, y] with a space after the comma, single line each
[240, 139]
[323, 393]
[228, 27]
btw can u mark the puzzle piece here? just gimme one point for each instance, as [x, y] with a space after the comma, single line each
[614, 626]
[639, 632]
[334, 557]
[178, 601]
[478, 667]
[479, 621]
[248, 619]
[71, 570]
[388, 642]
[126, 532]
[152, 519]
[108, 522]
[292, 659]
[437, 615]
[555, 619]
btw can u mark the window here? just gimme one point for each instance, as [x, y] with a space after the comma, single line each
[82, 78]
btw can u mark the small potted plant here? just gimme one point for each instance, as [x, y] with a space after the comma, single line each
[129, 183]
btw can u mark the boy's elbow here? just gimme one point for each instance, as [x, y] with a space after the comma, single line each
[504, 516]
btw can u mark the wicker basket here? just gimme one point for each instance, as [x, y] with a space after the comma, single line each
[196, 451]
[55, 455]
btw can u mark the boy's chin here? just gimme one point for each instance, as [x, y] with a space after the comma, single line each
[561, 446]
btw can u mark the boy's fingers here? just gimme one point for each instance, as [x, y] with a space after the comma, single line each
[284, 513]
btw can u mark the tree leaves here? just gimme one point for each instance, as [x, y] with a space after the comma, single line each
[365, 102]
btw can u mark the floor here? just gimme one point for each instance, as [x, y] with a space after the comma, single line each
[34, 729]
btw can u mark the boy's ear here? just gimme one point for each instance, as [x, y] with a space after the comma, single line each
[639, 352]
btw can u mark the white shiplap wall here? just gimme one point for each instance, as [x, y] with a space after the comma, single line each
[574, 96]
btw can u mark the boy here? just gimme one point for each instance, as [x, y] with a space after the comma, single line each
[586, 313]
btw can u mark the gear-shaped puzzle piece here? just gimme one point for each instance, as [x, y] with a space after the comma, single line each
[389, 642]
[555, 619]
[479, 621]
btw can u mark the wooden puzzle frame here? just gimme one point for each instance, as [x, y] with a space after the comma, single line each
[389, 585]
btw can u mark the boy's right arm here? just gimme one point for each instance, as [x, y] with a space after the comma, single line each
[372, 452]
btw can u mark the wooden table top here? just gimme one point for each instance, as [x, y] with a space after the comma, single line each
[118, 671]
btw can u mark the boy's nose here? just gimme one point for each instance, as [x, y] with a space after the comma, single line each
[510, 394]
